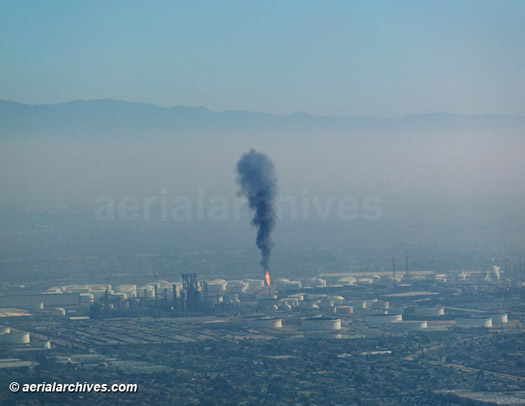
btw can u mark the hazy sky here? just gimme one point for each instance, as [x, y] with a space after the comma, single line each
[335, 58]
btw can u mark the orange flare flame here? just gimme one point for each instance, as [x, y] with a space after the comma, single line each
[267, 277]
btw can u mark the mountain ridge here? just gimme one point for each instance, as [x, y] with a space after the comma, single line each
[118, 116]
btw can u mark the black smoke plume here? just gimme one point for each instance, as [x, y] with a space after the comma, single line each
[256, 177]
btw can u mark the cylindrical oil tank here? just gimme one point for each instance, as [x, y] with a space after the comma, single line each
[370, 303]
[18, 338]
[318, 282]
[321, 323]
[99, 286]
[382, 320]
[344, 310]
[347, 280]
[255, 284]
[119, 296]
[429, 311]
[291, 285]
[475, 322]
[380, 305]
[325, 304]
[408, 325]
[57, 312]
[87, 298]
[217, 285]
[499, 318]
[5, 330]
[337, 300]
[277, 283]
[265, 322]
[365, 281]
[359, 304]
[76, 289]
[131, 290]
[398, 309]
[298, 296]
[440, 278]
[237, 286]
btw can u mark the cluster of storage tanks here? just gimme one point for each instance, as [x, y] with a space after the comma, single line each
[235, 286]
[318, 324]
[396, 322]
[483, 320]
[376, 313]
[95, 292]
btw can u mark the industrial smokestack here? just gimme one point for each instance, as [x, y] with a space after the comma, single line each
[257, 181]
[394, 268]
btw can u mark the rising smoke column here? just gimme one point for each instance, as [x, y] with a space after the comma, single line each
[256, 177]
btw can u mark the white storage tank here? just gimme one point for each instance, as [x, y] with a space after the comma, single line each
[57, 312]
[440, 278]
[380, 305]
[337, 300]
[119, 296]
[217, 285]
[76, 289]
[130, 290]
[485, 322]
[280, 281]
[408, 325]
[382, 320]
[398, 309]
[98, 286]
[499, 319]
[5, 330]
[298, 296]
[87, 298]
[265, 322]
[344, 310]
[365, 281]
[429, 311]
[359, 304]
[325, 304]
[255, 284]
[291, 285]
[314, 282]
[370, 303]
[321, 323]
[11, 338]
[165, 285]
[237, 286]
[346, 281]
[318, 282]
[98, 294]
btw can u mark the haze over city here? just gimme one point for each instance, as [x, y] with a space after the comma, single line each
[333, 192]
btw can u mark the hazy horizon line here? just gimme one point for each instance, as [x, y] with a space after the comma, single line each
[295, 113]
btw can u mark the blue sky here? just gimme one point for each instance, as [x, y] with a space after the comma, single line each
[385, 58]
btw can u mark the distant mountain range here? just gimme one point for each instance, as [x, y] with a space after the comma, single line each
[112, 117]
